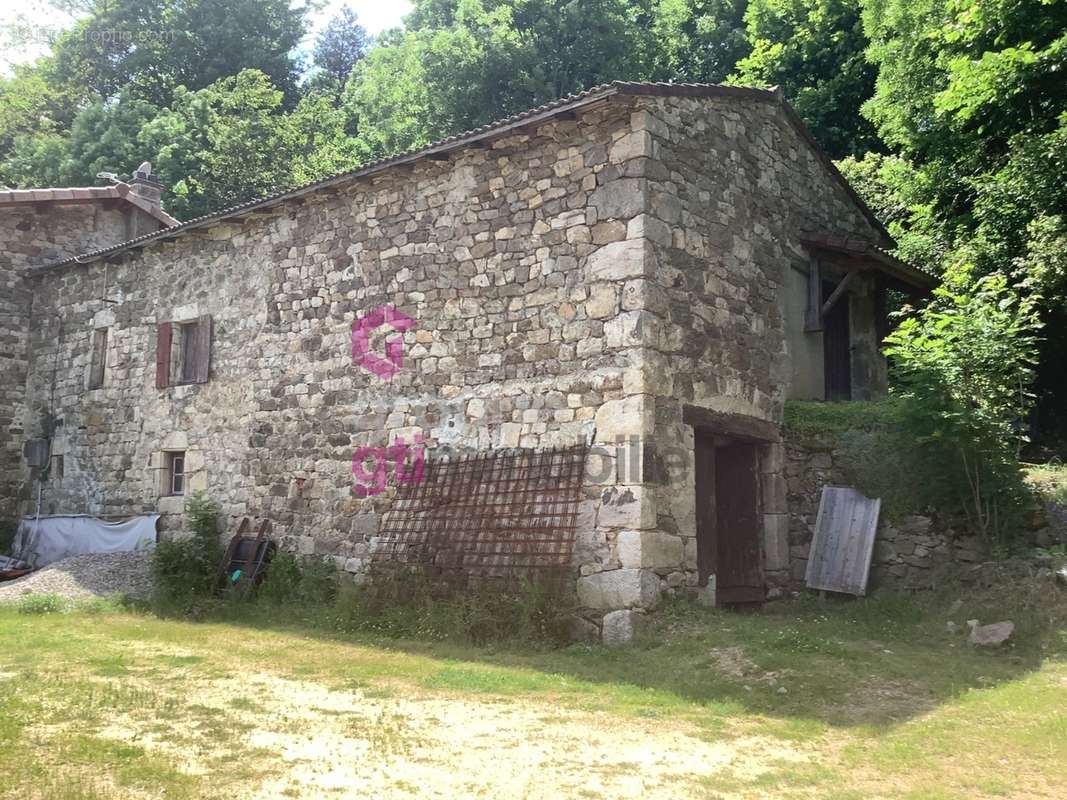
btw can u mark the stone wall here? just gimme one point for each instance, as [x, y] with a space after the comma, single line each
[731, 189]
[33, 235]
[511, 346]
[908, 551]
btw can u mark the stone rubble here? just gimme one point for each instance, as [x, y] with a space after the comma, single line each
[86, 576]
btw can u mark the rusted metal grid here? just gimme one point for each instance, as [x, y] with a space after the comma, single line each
[499, 518]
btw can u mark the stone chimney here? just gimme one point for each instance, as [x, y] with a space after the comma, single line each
[146, 185]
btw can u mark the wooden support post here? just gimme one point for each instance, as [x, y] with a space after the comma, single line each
[837, 292]
[813, 315]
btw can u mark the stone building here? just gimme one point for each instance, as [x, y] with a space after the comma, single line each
[37, 227]
[650, 270]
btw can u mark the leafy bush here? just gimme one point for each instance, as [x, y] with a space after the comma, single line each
[42, 604]
[291, 579]
[185, 569]
[878, 453]
[964, 365]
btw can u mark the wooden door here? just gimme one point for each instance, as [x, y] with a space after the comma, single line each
[707, 542]
[728, 519]
[739, 574]
[837, 348]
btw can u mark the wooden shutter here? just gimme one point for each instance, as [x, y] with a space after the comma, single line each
[201, 350]
[163, 338]
[99, 359]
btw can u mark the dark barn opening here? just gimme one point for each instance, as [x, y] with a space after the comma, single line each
[837, 347]
[729, 521]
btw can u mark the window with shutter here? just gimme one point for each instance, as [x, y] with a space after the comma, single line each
[183, 352]
[202, 350]
[188, 333]
[98, 364]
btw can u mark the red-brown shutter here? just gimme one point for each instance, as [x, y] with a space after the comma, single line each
[163, 334]
[202, 349]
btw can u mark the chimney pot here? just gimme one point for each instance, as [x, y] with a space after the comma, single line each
[147, 186]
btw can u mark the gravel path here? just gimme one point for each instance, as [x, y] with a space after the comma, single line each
[85, 576]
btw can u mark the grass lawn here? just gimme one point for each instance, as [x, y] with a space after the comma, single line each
[817, 699]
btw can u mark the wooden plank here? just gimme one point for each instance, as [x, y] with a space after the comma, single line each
[201, 350]
[839, 290]
[99, 362]
[812, 317]
[163, 339]
[841, 550]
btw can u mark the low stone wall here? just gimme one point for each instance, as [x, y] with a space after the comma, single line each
[908, 551]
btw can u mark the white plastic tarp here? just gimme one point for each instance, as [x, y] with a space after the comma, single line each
[46, 539]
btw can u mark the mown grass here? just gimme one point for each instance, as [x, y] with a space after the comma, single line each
[109, 702]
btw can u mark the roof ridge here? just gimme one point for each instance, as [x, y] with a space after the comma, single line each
[497, 127]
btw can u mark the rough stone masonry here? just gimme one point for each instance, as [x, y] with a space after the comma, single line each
[626, 267]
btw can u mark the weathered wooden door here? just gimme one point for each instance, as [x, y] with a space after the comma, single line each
[739, 578]
[707, 542]
[728, 519]
[837, 348]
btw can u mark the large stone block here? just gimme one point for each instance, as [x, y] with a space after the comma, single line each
[620, 261]
[622, 627]
[775, 490]
[618, 420]
[620, 199]
[775, 542]
[650, 549]
[636, 144]
[630, 507]
[618, 589]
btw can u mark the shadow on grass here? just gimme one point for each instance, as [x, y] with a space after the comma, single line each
[876, 661]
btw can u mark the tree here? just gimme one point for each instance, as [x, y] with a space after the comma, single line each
[340, 46]
[222, 145]
[694, 40]
[103, 138]
[972, 94]
[815, 52]
[159, 45]
[964, 365]
[488, 60]
[318, 141]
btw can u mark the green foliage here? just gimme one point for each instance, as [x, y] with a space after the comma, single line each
[340, 46]
[42, 604]
[184, 569]
[403, 607]
[292, 580]
[815, 52]
[221, 145]
[877, 452]
[964, 365]
[694, 40]
[481, 61]
[816, 418]
[154, 47]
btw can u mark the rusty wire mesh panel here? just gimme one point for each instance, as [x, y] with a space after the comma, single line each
[500, 517]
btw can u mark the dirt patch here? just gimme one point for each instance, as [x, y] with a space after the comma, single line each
[316, 742]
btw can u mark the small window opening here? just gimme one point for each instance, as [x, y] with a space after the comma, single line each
[174, 473]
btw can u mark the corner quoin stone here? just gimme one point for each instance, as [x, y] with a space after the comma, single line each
[619, 589]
